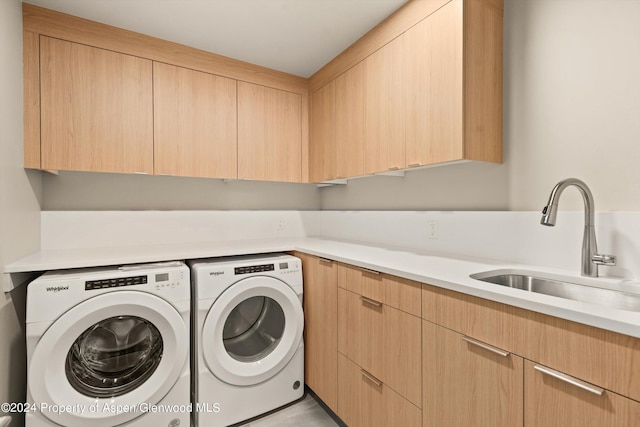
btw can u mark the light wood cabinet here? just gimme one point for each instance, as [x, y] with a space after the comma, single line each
[269, 134]
[431, 93]
[384, 109]
[350, 122]
[433, 87]
[552, 401]
[469, 384]
[96, 109]
[453, 84]
[593, 356]
[365, 401]
[104, 99]
[382, 340]
[194, 122]
[322, 136]
[320, 329]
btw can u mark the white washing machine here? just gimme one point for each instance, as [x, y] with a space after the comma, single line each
[109, 347]
[248, 328]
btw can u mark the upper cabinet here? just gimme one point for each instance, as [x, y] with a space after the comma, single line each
[269, 134]
[195, 131]
[96, 109]
[433, 88]
[349, 122]
[322, 134]
[422, 88]
[384, 109]
[104, 99]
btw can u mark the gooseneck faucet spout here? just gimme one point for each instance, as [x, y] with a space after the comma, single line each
[590, 256]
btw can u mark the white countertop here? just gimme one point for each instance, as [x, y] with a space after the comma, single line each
[449, 272]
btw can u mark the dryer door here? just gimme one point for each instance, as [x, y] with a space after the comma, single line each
[252, 330]
[107, 355]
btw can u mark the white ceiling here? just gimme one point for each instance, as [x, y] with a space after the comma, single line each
[295, 36]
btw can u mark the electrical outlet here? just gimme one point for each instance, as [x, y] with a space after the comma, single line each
[280, 225]
[433, 229]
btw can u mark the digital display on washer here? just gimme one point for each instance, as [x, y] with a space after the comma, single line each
[91, 285]
[254, 269]
[164, 277]
[284, 265]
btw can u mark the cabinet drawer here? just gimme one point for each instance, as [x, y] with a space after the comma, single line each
[382, 340]
[552, 401]
[467, 383]
[396, 292]
[364, 400]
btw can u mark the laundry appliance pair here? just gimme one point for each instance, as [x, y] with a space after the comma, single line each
[158, 345]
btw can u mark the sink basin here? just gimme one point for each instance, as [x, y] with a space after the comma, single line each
[558, 288]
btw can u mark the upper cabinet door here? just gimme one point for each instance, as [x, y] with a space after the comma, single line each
[269, 134]
[195, 122]
[350, 122]
[433, 88]
[96, 108]
[322, 134]
[384, 109]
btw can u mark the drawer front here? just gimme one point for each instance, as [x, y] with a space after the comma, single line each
[467, 383]
[364, 400]
[396, 292]
[552, 401]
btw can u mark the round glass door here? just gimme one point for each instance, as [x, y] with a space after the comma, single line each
[114, 356]
[252, 330]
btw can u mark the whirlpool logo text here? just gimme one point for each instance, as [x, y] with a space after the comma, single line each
[56, 289]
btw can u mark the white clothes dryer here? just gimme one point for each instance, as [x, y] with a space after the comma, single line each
[109, 347]
[248, 347]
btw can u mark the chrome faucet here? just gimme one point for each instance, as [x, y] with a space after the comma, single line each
[590, 256]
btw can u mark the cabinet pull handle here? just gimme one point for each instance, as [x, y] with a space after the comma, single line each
[486, 346]
[366, 270]
[569, 379]
[370, 377]
[414, 165]
[371, 301]
[394, 168]
[325, 260]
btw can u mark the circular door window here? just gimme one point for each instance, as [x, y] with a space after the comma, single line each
[134, 350]
[114, 356]
[252, 330]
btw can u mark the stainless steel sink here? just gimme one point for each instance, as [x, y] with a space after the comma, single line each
[558, 288]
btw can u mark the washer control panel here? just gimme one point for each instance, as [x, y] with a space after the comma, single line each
[91, 285]
[279, 267]
[254, 269]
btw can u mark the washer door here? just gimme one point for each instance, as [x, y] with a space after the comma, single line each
[252, 330]
[121, 348]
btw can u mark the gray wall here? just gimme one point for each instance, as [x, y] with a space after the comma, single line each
[571, 108]
[102, 191]
[20, 193]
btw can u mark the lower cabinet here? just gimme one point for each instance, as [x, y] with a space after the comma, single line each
[468, 383]
[364, 400]
[555, 399]
[467, 362]
[320, 329]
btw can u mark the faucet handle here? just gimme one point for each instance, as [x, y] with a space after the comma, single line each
[603, 259]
